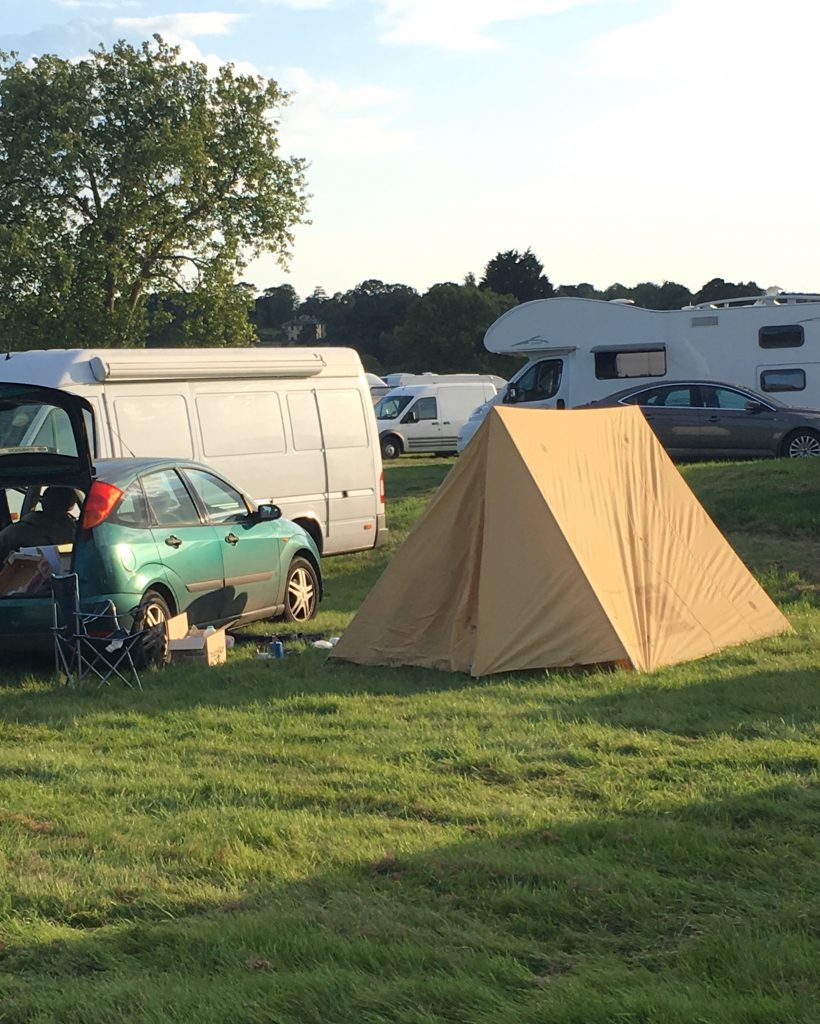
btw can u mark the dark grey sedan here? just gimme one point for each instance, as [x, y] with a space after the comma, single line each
[706, 419]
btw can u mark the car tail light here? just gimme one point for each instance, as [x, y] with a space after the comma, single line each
[381, 488]
[99, 502]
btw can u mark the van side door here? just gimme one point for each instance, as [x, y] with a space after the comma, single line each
[421, 425]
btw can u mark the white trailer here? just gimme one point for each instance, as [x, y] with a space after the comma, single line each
[291, 425]
[580, 350]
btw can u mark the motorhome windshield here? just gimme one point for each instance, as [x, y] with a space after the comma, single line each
[391, 407]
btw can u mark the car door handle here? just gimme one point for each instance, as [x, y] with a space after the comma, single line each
[713, 419]
[173, 541]
[231, 539]
[445, 423]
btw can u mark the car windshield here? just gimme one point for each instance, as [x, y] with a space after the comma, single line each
[391, 407]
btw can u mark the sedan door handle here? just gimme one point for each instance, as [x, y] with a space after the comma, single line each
[231, 539]
[173, 541]
[714, 419]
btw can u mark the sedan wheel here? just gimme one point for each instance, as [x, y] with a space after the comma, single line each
[302, 591]
[153, 616]
[803, 444]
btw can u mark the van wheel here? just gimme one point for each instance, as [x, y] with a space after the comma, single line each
[391, 447]
[152, 615]
[802, 443]
[301, 591]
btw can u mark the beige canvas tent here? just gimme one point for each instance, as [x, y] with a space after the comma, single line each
[560, 538]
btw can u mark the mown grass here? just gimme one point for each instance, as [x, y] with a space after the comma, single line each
[297, 841]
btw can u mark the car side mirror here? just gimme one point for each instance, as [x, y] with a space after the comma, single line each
[411, 417]
[753, 407]
[512, 394]
[267, 513]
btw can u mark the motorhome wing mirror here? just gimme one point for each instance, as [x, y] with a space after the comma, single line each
[511, 395]
[268, 512]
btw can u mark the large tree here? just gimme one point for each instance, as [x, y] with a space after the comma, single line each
[517, 273]
[129, 173]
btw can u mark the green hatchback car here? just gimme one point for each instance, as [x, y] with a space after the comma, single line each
[156, 536]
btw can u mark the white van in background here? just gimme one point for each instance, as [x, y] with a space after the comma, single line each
[427, 417]
[291, 425]
[400, 380]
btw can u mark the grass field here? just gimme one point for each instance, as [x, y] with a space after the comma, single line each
[297, 842]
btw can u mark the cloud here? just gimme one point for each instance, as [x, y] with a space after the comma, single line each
[105, 5]
[461, 24]
[205, 23]
[325, 118]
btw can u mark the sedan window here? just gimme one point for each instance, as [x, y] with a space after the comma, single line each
[223, 503]
[170, 502]
[724, 398]
[680, 398]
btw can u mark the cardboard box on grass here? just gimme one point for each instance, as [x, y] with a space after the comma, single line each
[191, 645]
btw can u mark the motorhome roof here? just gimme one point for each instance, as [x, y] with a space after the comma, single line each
[64, 367]
[767, 299]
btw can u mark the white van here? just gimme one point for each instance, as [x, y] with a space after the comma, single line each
[289, 425]
[427, 417]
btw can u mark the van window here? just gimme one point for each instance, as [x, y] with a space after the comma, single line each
[426, 409]
[304, 421]
[389, 407]
[783, 380]
[154, 425]
[343, 422]
[248, 423]
[787, 336]
[614, 364]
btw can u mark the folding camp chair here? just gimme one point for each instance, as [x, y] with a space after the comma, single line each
[91, 644]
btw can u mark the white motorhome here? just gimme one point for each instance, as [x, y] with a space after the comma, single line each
[580, 350]
[427, 417]
[292, 425]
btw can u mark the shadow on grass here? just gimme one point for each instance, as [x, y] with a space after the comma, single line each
[701, 912]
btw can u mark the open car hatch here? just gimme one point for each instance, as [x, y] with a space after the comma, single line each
[46, 437]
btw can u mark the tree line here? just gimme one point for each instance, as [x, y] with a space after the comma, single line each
[135, 188]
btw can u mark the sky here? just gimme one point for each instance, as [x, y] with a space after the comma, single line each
[619, 140]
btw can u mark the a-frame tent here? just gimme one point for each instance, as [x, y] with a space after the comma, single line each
[560, 538]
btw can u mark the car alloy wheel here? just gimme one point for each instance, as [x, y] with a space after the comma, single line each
[153, 616]
[302, 591]
[804, 444]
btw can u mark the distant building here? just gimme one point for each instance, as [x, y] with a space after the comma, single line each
[303, 330]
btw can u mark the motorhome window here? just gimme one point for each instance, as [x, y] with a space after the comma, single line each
[542, 380]
[133, 509]
[617, 364]
[224, 503]
[426, 409]
[169, 499]
[304, 421]
[787, 336]
[343, 422]
[153, 425]
[783, 380]
[241, 423]
[391, 407]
